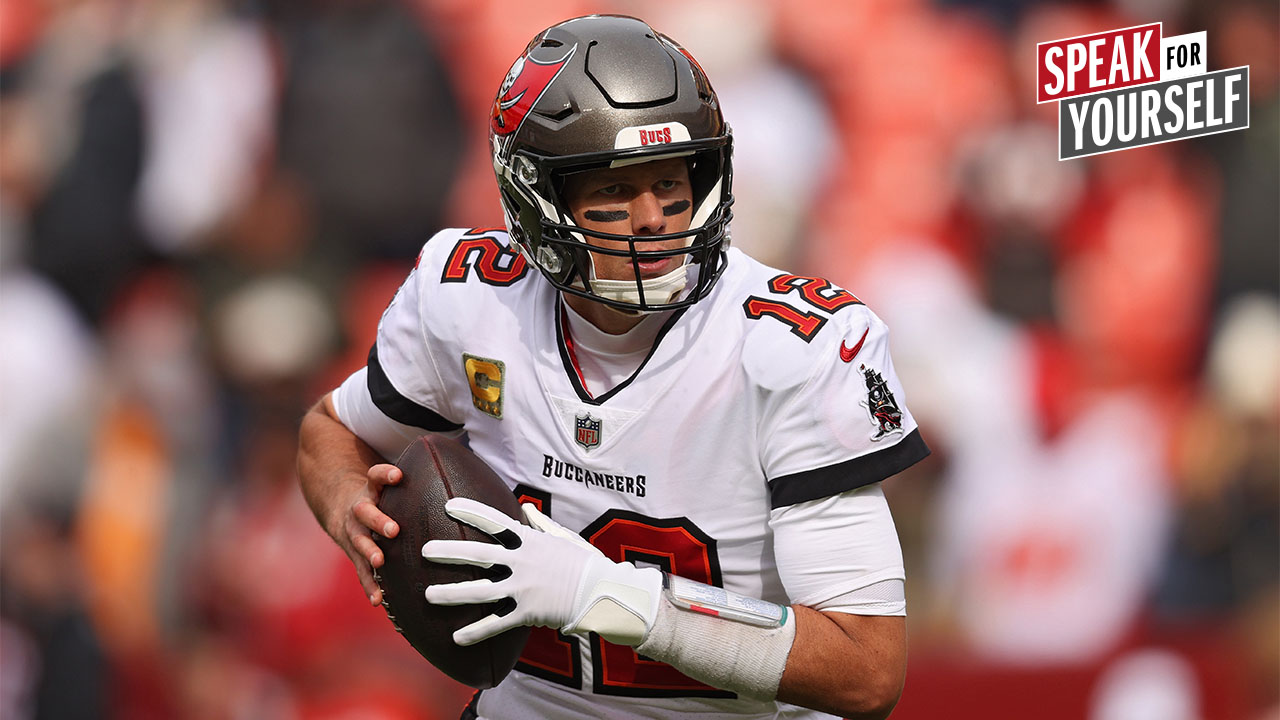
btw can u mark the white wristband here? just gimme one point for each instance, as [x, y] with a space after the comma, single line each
[729, 654]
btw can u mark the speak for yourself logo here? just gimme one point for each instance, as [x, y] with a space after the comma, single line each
[1131, 87]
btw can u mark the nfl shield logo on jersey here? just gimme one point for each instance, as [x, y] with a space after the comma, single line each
[586, 431]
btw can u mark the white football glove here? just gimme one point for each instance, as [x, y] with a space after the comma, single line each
[557, 579]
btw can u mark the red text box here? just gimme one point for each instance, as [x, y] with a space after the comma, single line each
[1094, 63]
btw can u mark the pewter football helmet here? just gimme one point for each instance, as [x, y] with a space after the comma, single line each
[606, 91]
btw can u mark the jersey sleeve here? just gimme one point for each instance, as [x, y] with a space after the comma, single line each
[403, 377]
[847, 425]
[355, 409]
[841, 553]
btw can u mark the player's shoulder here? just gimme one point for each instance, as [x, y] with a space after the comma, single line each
[792, 323]
[465, 256]
[464, 276]
[796, 311]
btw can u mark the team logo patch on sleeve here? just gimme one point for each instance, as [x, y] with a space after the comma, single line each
[586, 431]
[486, 378]
[884, 410]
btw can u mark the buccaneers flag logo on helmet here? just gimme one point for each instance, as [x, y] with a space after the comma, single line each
[525, 83]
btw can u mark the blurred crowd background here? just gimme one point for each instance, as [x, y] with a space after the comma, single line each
[205, 205]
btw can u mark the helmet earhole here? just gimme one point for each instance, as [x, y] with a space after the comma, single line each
[550, 260]
[525, 170]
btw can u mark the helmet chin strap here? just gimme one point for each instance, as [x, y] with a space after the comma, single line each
[657, 291]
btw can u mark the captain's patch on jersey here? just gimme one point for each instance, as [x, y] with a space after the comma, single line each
[884, 410]
[486, 378]
[586, 431]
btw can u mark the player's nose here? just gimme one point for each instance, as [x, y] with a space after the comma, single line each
[646, 215]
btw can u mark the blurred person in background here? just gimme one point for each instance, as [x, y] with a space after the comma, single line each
[369, 123]
[82, 115]
[48, 642]
[208, 86]
[1246, 32]
[49, 370]
[1222, 556]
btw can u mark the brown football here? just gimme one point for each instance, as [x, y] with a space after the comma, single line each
[435, 469]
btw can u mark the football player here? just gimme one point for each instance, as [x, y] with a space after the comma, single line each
[698, 439]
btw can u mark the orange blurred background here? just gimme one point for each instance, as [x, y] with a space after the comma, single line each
[205, 205]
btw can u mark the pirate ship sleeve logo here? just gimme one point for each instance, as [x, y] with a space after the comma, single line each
[884, 410]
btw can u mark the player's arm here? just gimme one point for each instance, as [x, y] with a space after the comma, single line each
[343, 447]
[347, 438]
[830, 443]
[341, 478]
[853, 666]
[839, 559]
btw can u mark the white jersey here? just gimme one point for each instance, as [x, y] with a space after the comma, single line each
[775, 392]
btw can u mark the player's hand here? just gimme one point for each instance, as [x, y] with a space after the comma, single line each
[557, 579]
[360, 519]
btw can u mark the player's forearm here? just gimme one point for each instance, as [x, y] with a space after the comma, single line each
[332, 464]
[850, 665]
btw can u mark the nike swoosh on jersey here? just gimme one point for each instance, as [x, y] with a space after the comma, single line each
[847, 353]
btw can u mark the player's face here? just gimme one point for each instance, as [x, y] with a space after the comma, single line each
[652, 198]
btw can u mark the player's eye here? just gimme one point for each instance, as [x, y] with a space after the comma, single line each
[611, 190]
[668, 184]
